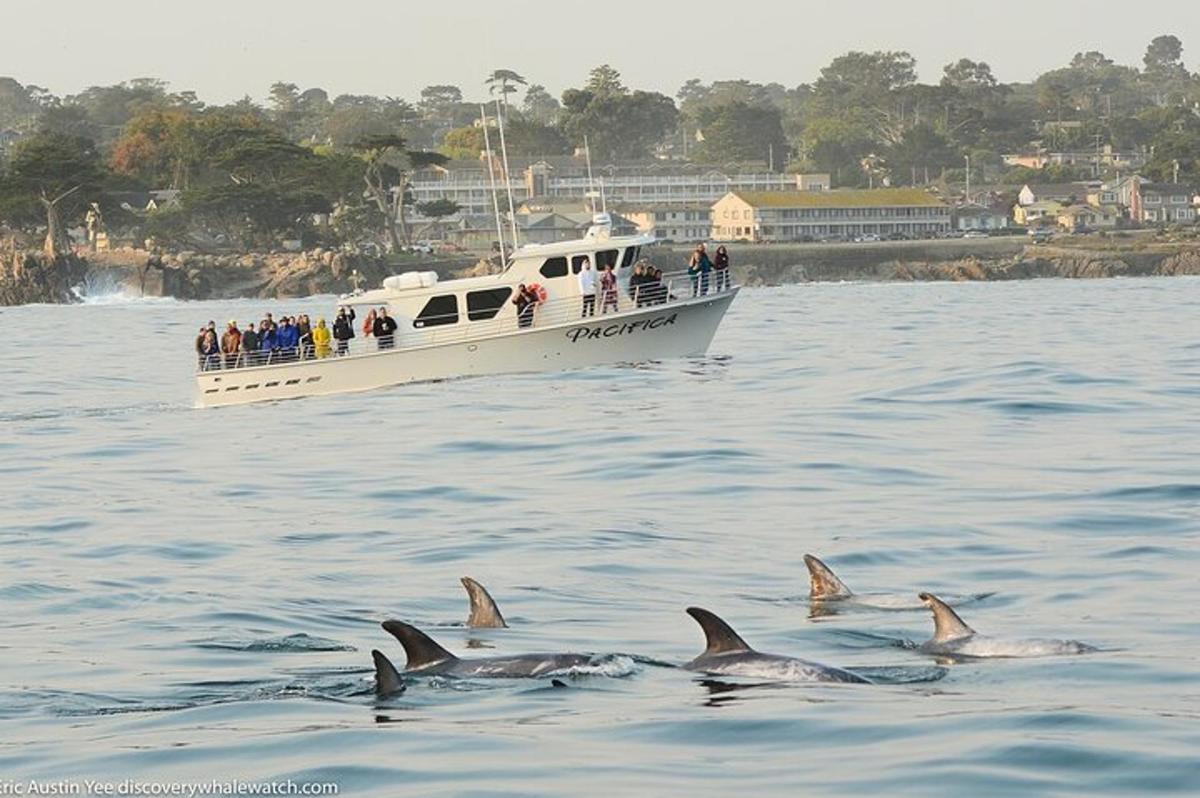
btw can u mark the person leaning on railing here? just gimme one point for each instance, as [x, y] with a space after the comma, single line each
[249, 346]
[231, 341]
[721, 267]
[343, 330]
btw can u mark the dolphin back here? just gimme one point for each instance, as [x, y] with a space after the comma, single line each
[823, 582]
[387, 678]
[484, 612]
[719, 636]
[421, 650]
[946, 623]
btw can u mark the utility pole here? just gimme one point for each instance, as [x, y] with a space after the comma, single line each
[968, 191]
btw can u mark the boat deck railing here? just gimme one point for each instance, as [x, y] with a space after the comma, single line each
[674, 288]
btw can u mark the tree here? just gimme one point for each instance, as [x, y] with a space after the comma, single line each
[737, 131]
[1163, 55]
[437, 100]
[388, 163]
[438, 209]
[618, 126]
[59, 174]
[504, 82]
[463, 143]
[604, 80]
[539, 105]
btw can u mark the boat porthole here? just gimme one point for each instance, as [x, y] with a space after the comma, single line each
[472, 348]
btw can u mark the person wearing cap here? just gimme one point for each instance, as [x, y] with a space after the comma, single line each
[231, 341]
[249, 345]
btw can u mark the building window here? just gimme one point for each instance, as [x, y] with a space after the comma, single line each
[438, 310]
[483, 305]
[554, 267]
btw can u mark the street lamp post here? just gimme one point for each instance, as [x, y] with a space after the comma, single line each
[968, 191]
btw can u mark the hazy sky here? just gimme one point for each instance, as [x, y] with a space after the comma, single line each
[224, 49]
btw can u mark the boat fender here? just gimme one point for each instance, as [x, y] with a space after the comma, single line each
[537, 289]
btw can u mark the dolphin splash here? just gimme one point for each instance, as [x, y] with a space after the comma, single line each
[953, 638]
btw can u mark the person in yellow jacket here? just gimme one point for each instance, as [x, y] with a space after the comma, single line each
[321, 337]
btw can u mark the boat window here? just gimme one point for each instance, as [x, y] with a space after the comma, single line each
[630, 258]
[437, 311]
[606, 258]
[554, 267]
[486, 304]
[577, 263]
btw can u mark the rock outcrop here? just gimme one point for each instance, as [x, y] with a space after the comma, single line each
[28, 277]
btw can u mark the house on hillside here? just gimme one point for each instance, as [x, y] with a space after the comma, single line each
[974, 216]
[1037, 213]
[1062, 193]
[1162, 203]
[799, 215]
[1085, 218]
[672, 222]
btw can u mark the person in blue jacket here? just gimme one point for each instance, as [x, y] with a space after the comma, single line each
[286, 338]
[268, 341]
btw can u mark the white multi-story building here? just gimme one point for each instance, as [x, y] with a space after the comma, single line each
[639, 185]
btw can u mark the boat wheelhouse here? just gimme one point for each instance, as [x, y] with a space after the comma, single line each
[470, 326]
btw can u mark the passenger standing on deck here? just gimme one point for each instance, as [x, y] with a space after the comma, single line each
[231, 342]
[721, 267]
[304, 336]
[210, 352]
[286, 338]
[267, 341]
[249, 345]
[699, 268]
[320, 339]
[343, 330]
[587, 288]
[525, 300]
[200, 347]
[639, 284]
[608, 289]
[385, 329]
[369, 324]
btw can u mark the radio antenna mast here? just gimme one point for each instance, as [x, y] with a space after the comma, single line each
[512, 211]
[487, 142]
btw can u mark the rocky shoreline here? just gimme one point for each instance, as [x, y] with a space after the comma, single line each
[26, 277]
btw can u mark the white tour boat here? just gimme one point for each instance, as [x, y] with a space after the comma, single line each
[469, 327]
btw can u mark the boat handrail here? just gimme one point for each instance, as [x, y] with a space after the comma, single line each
[675, 288]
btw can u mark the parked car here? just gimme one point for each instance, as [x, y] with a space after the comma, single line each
[975, 234]
[867, 238]
[897, 236]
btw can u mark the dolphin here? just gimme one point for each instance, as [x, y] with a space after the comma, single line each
[427, 658]
[829, 594]
[953, 638]
[726, 654]
[484, 612]
[387, 679]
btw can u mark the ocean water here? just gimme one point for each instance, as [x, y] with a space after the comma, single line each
[192, 595]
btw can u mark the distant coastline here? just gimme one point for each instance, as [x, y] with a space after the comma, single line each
[277, 275]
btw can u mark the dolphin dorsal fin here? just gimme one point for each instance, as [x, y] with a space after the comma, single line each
[946, 623]
[719, 636]
[419, 647]
[387, 678]
[823, 582]
[484, 612]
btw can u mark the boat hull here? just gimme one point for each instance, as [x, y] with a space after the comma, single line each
[680, 329]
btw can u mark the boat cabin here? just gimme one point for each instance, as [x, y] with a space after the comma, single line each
[418, 300]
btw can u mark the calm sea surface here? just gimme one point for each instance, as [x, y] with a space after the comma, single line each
[193, 595]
